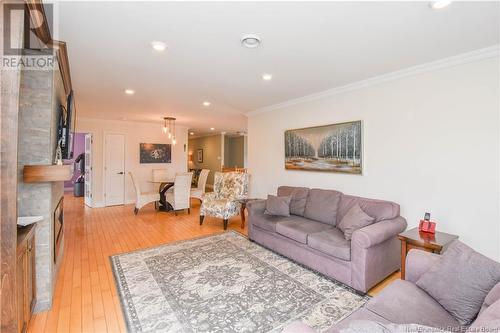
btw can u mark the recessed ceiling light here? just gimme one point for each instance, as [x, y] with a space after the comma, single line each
[192, 133]
[206, 103]
[211, 128]
[267, 77]
[158, 46]
[129, 91]
[440, 4]
[250, 41]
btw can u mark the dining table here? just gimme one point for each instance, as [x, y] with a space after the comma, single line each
[163, 186]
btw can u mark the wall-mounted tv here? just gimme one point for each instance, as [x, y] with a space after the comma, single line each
[67, 127]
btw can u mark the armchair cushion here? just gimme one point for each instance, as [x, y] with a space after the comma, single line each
[221, 208]
[379, 232]
[461, 280]
[278, 206]
[492, 297]
[418, 262]
[402, 302]
[355, 219]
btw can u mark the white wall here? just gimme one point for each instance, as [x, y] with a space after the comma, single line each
[135, 133]
[431, 144]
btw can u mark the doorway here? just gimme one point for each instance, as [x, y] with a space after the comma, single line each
[114, 169]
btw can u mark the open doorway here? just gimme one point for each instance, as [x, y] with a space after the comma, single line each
[75, 186]
[234, 151]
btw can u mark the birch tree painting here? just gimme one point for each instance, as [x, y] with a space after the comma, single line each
[333, 148]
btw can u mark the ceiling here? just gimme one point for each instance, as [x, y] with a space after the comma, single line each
[307, 46]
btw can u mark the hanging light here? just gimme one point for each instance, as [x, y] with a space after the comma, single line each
[169, 128]
[165, 128]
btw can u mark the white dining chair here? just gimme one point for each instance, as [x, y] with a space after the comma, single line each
[178, 195]
[143, 198]
[199, 191]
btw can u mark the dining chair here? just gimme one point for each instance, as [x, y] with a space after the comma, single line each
[178, 196]
[143, 198]
[225, 201]
[199, 191]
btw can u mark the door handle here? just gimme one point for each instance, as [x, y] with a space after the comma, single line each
[120, 173]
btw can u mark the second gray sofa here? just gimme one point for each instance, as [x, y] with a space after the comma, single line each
[310, 237]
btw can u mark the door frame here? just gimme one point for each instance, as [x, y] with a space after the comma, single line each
[92, 158]
[104, 174]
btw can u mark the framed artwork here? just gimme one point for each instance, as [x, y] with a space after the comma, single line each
[199, 156]
[155, 153]
[330, 148]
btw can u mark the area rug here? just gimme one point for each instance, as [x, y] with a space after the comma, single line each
[224, 283]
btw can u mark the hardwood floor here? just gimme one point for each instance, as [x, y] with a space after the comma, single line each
[85, 298]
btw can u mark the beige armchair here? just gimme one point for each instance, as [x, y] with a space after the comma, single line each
[179, 195]
[229, 188]
[202, 183]
[143, 198]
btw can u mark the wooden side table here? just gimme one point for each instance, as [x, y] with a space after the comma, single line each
[243, 203]
[413, 239]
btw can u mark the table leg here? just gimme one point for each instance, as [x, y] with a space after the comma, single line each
[403, 259]
[242, 213]
[163, 199]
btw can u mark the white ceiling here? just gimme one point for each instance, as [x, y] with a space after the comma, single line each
[307, 46]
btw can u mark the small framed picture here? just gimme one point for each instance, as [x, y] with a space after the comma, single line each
[199, 156]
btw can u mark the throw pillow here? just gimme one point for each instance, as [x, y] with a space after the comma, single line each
[353, 220]
[460, 281]
[279, 206]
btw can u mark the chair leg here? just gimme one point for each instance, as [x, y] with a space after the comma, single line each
[202, 217]
[189, 210]
[225, 224]
[156, 205]
[136, 210]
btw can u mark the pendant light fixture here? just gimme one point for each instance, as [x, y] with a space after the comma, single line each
[169, 128]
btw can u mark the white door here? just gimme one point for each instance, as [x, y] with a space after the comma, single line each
[88, 170]
[114, 169]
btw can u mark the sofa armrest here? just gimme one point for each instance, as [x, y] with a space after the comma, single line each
[378, 232]
[418, 262]
[298, 327]
[256, 207]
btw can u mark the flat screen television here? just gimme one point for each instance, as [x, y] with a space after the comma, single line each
[67, 127]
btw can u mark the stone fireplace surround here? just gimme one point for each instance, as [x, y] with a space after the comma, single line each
[40, 97]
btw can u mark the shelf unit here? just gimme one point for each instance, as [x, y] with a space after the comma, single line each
[46, 173]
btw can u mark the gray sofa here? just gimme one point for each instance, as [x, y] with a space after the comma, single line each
[309, 235]
[404, 303]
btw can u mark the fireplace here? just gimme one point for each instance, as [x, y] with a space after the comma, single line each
[58, 227]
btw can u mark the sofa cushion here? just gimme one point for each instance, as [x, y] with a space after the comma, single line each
[488, 320]
[299, 198]
[461, 280]
[355, 219]
[279, 206]
[322, 205]
[267, 222]
[378, 209]
[402, 302]
[331, 242]
[299, 228]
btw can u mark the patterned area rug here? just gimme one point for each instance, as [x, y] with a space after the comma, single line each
[224, 283]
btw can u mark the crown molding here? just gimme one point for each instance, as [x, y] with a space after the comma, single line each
[464, 58]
